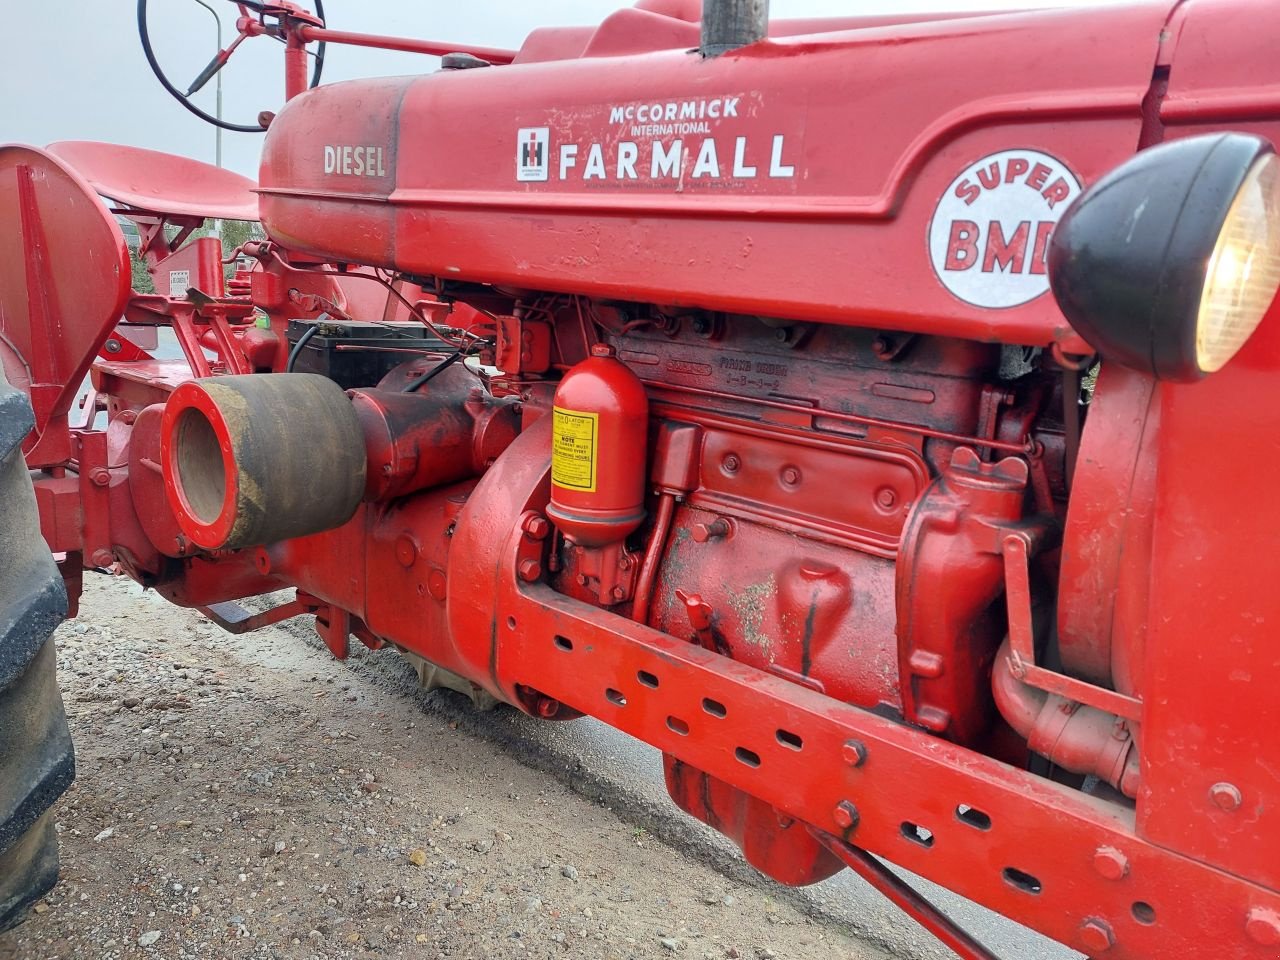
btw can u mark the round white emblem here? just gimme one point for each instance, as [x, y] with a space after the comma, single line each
[989, 235]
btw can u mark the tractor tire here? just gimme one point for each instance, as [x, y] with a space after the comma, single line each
[36, 759]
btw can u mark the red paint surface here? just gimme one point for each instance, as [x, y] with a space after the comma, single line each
[807, 620]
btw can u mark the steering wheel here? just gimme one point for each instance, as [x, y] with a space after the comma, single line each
[249, 9]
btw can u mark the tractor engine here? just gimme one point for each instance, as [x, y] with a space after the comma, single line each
[818, 503]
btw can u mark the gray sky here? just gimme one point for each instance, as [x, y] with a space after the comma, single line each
[73, 70]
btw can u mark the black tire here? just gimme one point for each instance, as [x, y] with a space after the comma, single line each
[36, 759]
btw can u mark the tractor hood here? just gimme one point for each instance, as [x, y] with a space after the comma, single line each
[895, 174]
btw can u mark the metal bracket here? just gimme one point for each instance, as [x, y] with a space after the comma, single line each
[1015, 547]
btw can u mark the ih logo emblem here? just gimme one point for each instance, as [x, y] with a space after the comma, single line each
[989, 235]
[533, 153]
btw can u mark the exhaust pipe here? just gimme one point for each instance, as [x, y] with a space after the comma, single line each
[1081, 739]
[730, 24]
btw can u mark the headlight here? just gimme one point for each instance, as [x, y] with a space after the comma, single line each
[1169, 262]
[1244, 271]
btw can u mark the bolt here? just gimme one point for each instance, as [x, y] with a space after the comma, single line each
[854, 753]
[618, 593]
[582, 579]
[99, 476]
[406, 550]
[1096, 935]
[845, 815]
[102, 558]
[886, 497]
[180, 543]
[536, 527]
[530, 570]
[701, 326]
[731, 463]
[1263, 926]
[702, 532]
[882, 347]
[782, 334]
[112, 345]
[1110, 863]
[547, 707]
[1226, 796]
[790, 476]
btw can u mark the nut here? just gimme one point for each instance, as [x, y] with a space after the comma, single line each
[854, 753]
[1110, 863]
[529, 570]
[846, 815]
[536, 527]
[1096, 935]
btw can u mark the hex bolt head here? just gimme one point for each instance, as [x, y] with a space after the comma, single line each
[846, 815]
[1096, 935]
[854, 753]
[1263, 926]
[702, 532]
[536, 527]
[1226, 796]
[1110, 863]
[529, 570]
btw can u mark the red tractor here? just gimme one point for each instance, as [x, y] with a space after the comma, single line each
[875, 415]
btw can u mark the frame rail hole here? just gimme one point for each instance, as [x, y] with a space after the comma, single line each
[917, 834]
[973, 817]
[714, 707]
[1022, 880]
[749, 757]
[792, 741]
[1144, 913]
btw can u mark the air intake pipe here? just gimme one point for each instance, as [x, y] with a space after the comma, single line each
[730, 24]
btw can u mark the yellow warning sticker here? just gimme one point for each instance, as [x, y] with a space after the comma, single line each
[573, 449]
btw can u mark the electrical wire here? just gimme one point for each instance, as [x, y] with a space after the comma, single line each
[437, 369]
[307, 334]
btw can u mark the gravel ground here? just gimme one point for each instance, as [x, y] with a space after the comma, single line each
[251, 797]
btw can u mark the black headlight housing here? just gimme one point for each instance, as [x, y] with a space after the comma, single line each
[1169, 262]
